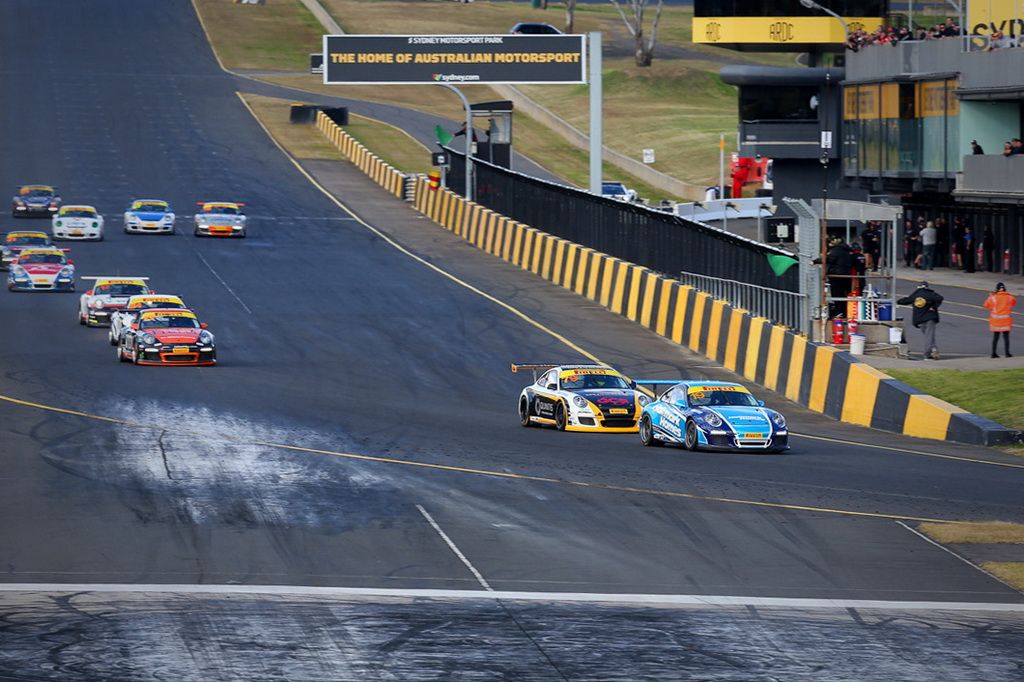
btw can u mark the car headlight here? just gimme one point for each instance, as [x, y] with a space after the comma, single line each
[711, 419]
[169, 218]
[779, 420]
[206, 339]
[579, 401]
[95, 224]
[643, 399]
[148, 339]
[19, 273]
[66, 271]
[59, 223]
[96, 303]
[132, 218]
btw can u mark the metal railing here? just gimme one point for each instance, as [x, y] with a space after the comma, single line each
[781, 307]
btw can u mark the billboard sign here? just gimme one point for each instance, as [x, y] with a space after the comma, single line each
[454, 59]
[985, 17]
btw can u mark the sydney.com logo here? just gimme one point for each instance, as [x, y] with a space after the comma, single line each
[455, 77]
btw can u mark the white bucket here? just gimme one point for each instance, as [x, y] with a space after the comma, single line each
[895, 335]
[857, 344]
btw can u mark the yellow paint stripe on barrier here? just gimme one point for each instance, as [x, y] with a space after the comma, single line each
[619, 289]
[607, 276]
[699, 303]
[529, 245]
[446, 210]
[663, 303]
[795, 377]
[517, 242]
[861, 393]
[635, 282]
[492, 227]
[928, 417]
[679, 319]
[819, 377]
[776, 342]
[594, 275]
[715, 329]
[732, 341]
[550, 243]
[650, 289]
[572, 251]
[506, 246]
[558, 264]
[756, 331]
[460, 217]
[540, 245]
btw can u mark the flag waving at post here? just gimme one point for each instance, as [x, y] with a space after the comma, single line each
[779, 264]
[443, 136]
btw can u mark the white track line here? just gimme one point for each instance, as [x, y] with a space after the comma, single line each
[221, 280]
[454, 548]
[580, 597]
[951, 552]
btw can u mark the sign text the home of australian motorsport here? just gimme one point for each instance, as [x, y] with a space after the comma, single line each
[455, 59]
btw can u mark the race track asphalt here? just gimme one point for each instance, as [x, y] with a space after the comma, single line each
[334, 343]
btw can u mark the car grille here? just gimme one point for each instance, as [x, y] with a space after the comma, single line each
[618, 422]
[586, 421]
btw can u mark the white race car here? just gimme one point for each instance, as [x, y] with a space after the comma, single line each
[126, 317]
[219, 219]
[108, 295]
[581, 398]
[149, 215]
[78, 222]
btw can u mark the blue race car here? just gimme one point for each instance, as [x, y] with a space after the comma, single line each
[712, 415]
[153, 216]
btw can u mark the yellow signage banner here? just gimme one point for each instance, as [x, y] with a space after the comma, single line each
[985, 17]
[777, 30]
[937, 98]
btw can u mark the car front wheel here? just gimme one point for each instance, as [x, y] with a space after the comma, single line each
[560, 417]
[647, 432]
[524, 413]
[690, 438]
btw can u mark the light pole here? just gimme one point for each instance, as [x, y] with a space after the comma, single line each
[811, 4]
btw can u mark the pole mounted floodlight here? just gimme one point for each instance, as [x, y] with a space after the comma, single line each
[811, 4]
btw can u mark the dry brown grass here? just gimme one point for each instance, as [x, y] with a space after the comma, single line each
[277, 35]
[1012, 572]
[303, 141]
[989, 532]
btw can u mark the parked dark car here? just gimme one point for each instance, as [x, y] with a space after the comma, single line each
[534, 28]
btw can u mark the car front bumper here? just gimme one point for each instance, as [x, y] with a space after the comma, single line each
[220, 230]
[32, 285]
[34, 211]
[149, 228]
[75, 233]
[187, 355]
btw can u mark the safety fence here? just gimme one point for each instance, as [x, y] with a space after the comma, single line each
[381, 172]
[817, 376]
[782, 307]
[657, 240]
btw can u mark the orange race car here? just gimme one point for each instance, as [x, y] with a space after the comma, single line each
[219, 219]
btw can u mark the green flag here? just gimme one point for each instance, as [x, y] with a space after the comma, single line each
[779, 264]
[443, 136]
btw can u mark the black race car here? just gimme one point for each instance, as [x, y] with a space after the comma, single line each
[35, 200]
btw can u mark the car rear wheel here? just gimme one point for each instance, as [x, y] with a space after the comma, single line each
[524, 413]
[647, 432]
[560, 416]
[119, 351]
[111, 338]
[81, 318]
[690, 439]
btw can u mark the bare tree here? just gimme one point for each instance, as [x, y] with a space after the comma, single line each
[570, 15]
[643, 45]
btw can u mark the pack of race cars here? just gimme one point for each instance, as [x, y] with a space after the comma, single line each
[145, 327]
[694, 414]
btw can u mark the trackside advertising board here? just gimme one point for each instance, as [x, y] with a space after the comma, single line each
[454, 59]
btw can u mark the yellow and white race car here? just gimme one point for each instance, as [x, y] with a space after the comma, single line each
[107, 296]
[592, 398]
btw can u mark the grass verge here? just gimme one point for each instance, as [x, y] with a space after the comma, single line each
[1011, 572]
[278, 35]
[304, 141]
[995, 394]
[986, 533]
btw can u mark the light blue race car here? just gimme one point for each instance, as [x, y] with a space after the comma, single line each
[153, 216]
[711, 415]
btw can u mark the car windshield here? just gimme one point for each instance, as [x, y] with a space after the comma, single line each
[120, 289]
[35, 258]
[78, 213]
[23, 240]
[150, 208]
[613, 188]
[222, 210]
[582, 382]
[169, 322]
[158, 304]
[719, 398]
[35, 193]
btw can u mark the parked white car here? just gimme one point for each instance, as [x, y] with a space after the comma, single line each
[78, 222]
[616, 190]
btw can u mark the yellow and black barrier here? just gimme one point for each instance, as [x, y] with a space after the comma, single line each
[815, 375]
[381, 172]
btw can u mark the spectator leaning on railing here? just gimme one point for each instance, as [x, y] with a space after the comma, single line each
[890, 35]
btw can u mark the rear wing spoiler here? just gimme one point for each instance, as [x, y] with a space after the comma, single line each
[144, 279]
[660, 386]
[534, 367]
[204, 203]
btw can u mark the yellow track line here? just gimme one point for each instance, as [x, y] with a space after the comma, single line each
[495, 474]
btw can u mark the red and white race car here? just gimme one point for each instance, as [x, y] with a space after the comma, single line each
[167, 336]
[219, 219]
[45, 269]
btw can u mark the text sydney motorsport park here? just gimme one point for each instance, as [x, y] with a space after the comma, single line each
[354, 59]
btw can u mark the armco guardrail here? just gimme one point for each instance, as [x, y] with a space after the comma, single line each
[383, 173]
[817, 376]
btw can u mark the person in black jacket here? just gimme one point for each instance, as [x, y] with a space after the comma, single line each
[926, 304]
[838, 263]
